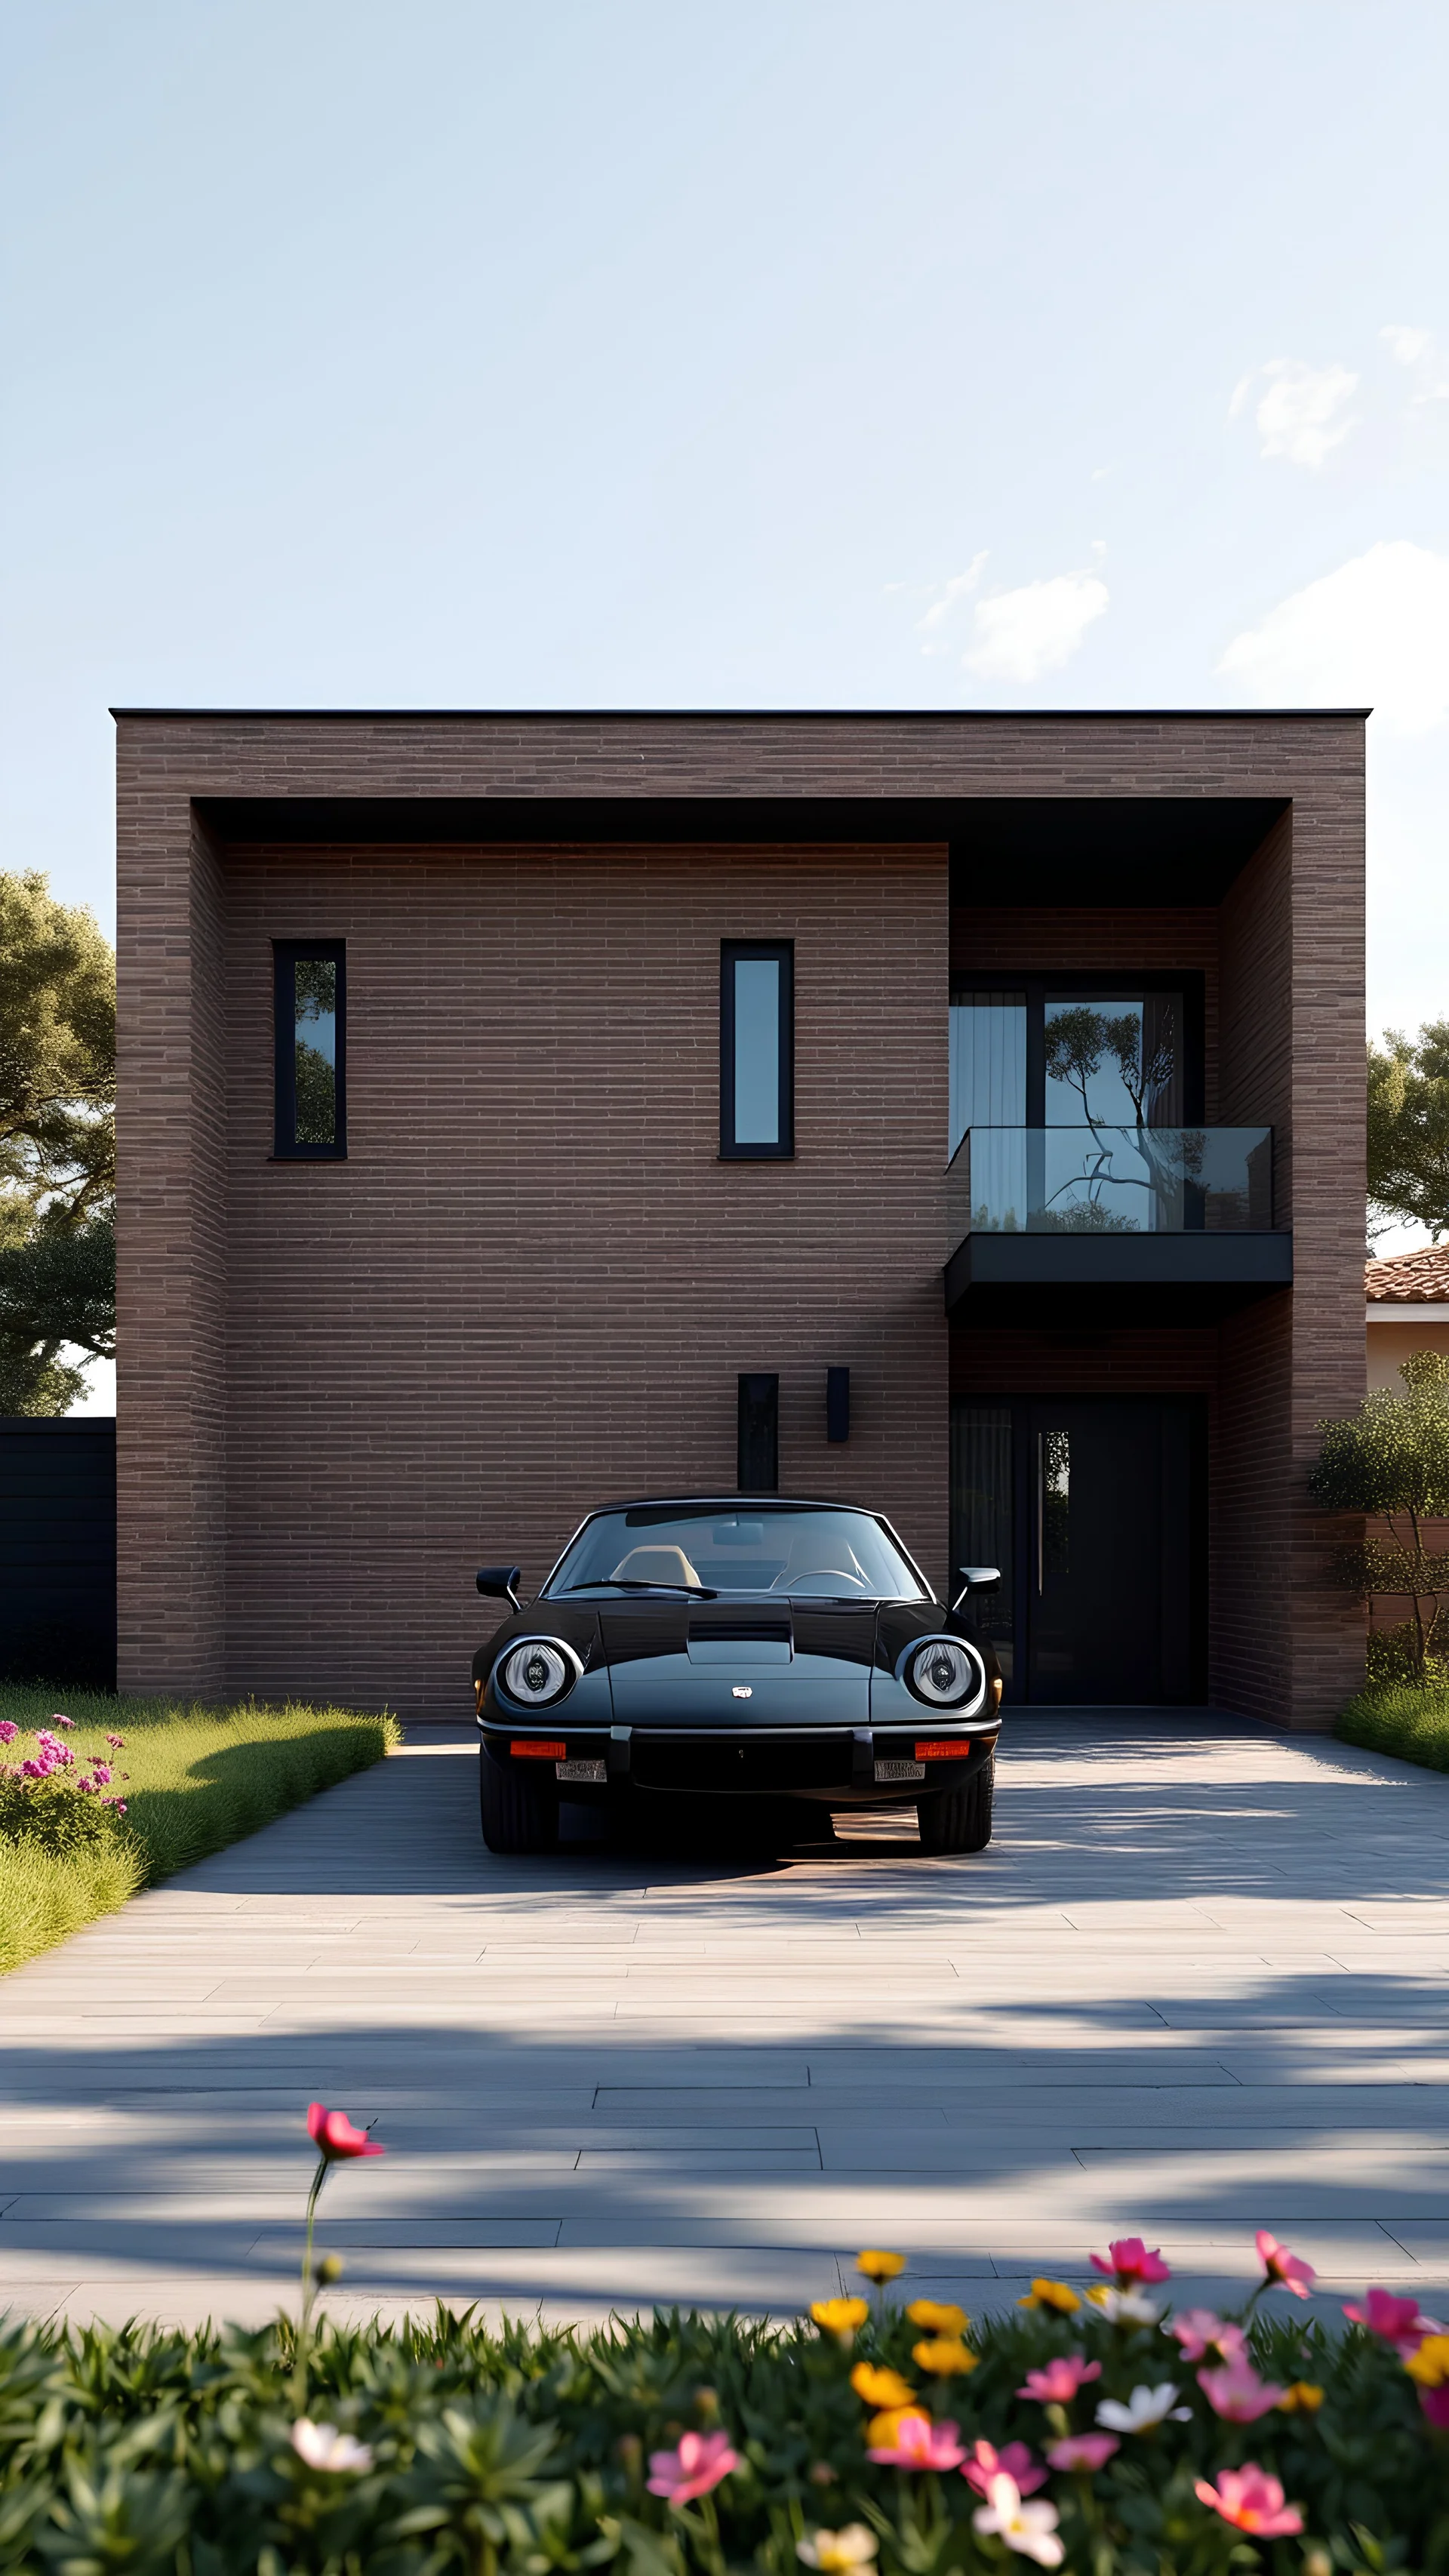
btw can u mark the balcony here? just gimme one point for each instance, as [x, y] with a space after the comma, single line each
[1096, 1206]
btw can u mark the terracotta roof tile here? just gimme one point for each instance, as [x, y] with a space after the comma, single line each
[1409, 1278]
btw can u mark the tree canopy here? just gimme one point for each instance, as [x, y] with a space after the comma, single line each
[1391, 1459]
[57, 1144]
[1408, 1130]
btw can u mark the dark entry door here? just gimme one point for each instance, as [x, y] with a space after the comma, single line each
[1094, 1503]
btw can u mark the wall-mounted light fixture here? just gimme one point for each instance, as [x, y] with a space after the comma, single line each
[837, 1404]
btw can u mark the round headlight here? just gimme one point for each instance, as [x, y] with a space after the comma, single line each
[944, 1672]
[536, 1673]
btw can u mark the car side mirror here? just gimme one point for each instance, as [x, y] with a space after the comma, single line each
[499, 1583]
[975, 1578]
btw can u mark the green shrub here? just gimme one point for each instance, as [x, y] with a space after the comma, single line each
[1404, 1718]
[529, 2451]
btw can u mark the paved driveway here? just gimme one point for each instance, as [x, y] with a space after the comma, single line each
[1199, 1984]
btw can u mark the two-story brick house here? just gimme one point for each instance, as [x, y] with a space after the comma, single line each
[520, 1111]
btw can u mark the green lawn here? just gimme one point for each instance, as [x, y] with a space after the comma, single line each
[1395, 1717]
[197, 1779]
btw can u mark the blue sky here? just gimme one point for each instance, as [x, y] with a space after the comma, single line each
[1076, 352]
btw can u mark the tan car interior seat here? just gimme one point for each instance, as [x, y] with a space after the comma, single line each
[655, 1565]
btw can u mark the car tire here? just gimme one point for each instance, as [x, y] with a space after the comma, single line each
[517, 1814]
[959, 1820]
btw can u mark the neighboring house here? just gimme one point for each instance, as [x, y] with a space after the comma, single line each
[524, 1111]
[1407, 1310]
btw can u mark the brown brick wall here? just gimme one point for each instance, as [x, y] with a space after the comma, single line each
[339, 1386]
[532, 1284]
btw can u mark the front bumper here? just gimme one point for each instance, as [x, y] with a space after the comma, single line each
[836, 1766]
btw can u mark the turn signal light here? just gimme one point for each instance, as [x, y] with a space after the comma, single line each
[945, 1751]
[538, 1750]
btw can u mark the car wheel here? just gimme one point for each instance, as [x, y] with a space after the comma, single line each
[518, 1815]
[959, 1820]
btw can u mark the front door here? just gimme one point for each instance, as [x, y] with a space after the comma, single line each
[1091, 1507]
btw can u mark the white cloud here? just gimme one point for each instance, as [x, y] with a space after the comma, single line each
[1023, 634]
[1407, 345]
[1374, 633]
[1304, 414]
[947, 600]
[1418, 351]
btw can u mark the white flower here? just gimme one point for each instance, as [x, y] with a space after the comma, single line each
[1144, 2408]
[323, 2447]
[1029, 2529]
[836, 2552]
[1125, 2307]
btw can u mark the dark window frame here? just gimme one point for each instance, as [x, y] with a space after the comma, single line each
[782, 952]
[757, 1432]
[286, 955]
[1189, 981]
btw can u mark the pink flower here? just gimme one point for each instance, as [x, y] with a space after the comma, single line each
[84, 1783]
[333, 2133]
[8, 1731]
[120, 1807]
[1289, 2271]
[1015, 2462]
[920, 2444]
[1237, 2393]
[1090, 2451]
[36, 1770]
[700, 2462]
[1435, 2402]
[117, 1743]
[58, 1720]
[1252, 2501]
[103, 1774]
[1057, 2385]
[1399, 2321]
[1128, 2259]
[1201, 2332]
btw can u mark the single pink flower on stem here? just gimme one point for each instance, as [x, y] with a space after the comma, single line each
[102, 1774]
[8, 1730]
[58, 1720]
[117, 1743]
[920, 2444]
[1128, 2259]
[1435, 2402]
[1058, 2383]
[333, 2134]
[1251, 2501]
[700, 2462]
[1237, 2393]
[1397, 2321]
[985, 2462]
[1285, 2271]
[1089, 2451]
[1201, 2333]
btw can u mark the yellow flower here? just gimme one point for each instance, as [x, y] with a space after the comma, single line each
[1430, 2364]
[945, 2356]
[835, 2553]
[882, 2431]
[1303, 2398]
[879, 2267]
[881, 2387]
[935, 2316]
[1051, 2294]
[840, 2317]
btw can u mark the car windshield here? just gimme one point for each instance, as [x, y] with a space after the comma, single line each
[804, 1551]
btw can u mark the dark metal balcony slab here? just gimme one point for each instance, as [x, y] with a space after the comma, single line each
[1206, 1260]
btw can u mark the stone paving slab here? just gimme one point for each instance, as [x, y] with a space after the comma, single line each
[1199, 1984]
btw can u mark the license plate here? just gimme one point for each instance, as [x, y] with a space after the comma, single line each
[580, 1770]
[900, 1770]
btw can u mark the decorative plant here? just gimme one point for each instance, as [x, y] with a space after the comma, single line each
[1391, 1460]
[54, 1795]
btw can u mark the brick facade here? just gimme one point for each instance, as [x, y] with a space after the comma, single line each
[532, 1283]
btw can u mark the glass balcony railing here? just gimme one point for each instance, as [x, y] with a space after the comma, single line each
[1111, 1180]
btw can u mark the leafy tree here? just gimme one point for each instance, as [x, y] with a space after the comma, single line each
[57, 1144]
[1408, 1130]
[1391, 1459]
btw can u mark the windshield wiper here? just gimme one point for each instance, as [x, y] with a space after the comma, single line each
[627, 1583]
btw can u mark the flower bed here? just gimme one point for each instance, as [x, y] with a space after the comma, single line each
[106, 1796]
[1099, 2434]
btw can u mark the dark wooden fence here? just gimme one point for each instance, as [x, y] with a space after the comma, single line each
[58, 1549]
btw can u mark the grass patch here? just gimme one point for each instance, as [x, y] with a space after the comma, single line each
[196, 1780]
[1399, 1718]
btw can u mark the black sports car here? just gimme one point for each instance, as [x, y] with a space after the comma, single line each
[736, 1648]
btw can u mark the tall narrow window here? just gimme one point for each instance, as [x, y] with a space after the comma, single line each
[310, 1007]
[757, 1469]
[757, 1049]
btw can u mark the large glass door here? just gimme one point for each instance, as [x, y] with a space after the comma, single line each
[1092, 1507]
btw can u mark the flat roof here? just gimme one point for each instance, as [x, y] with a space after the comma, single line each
[748, 715]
